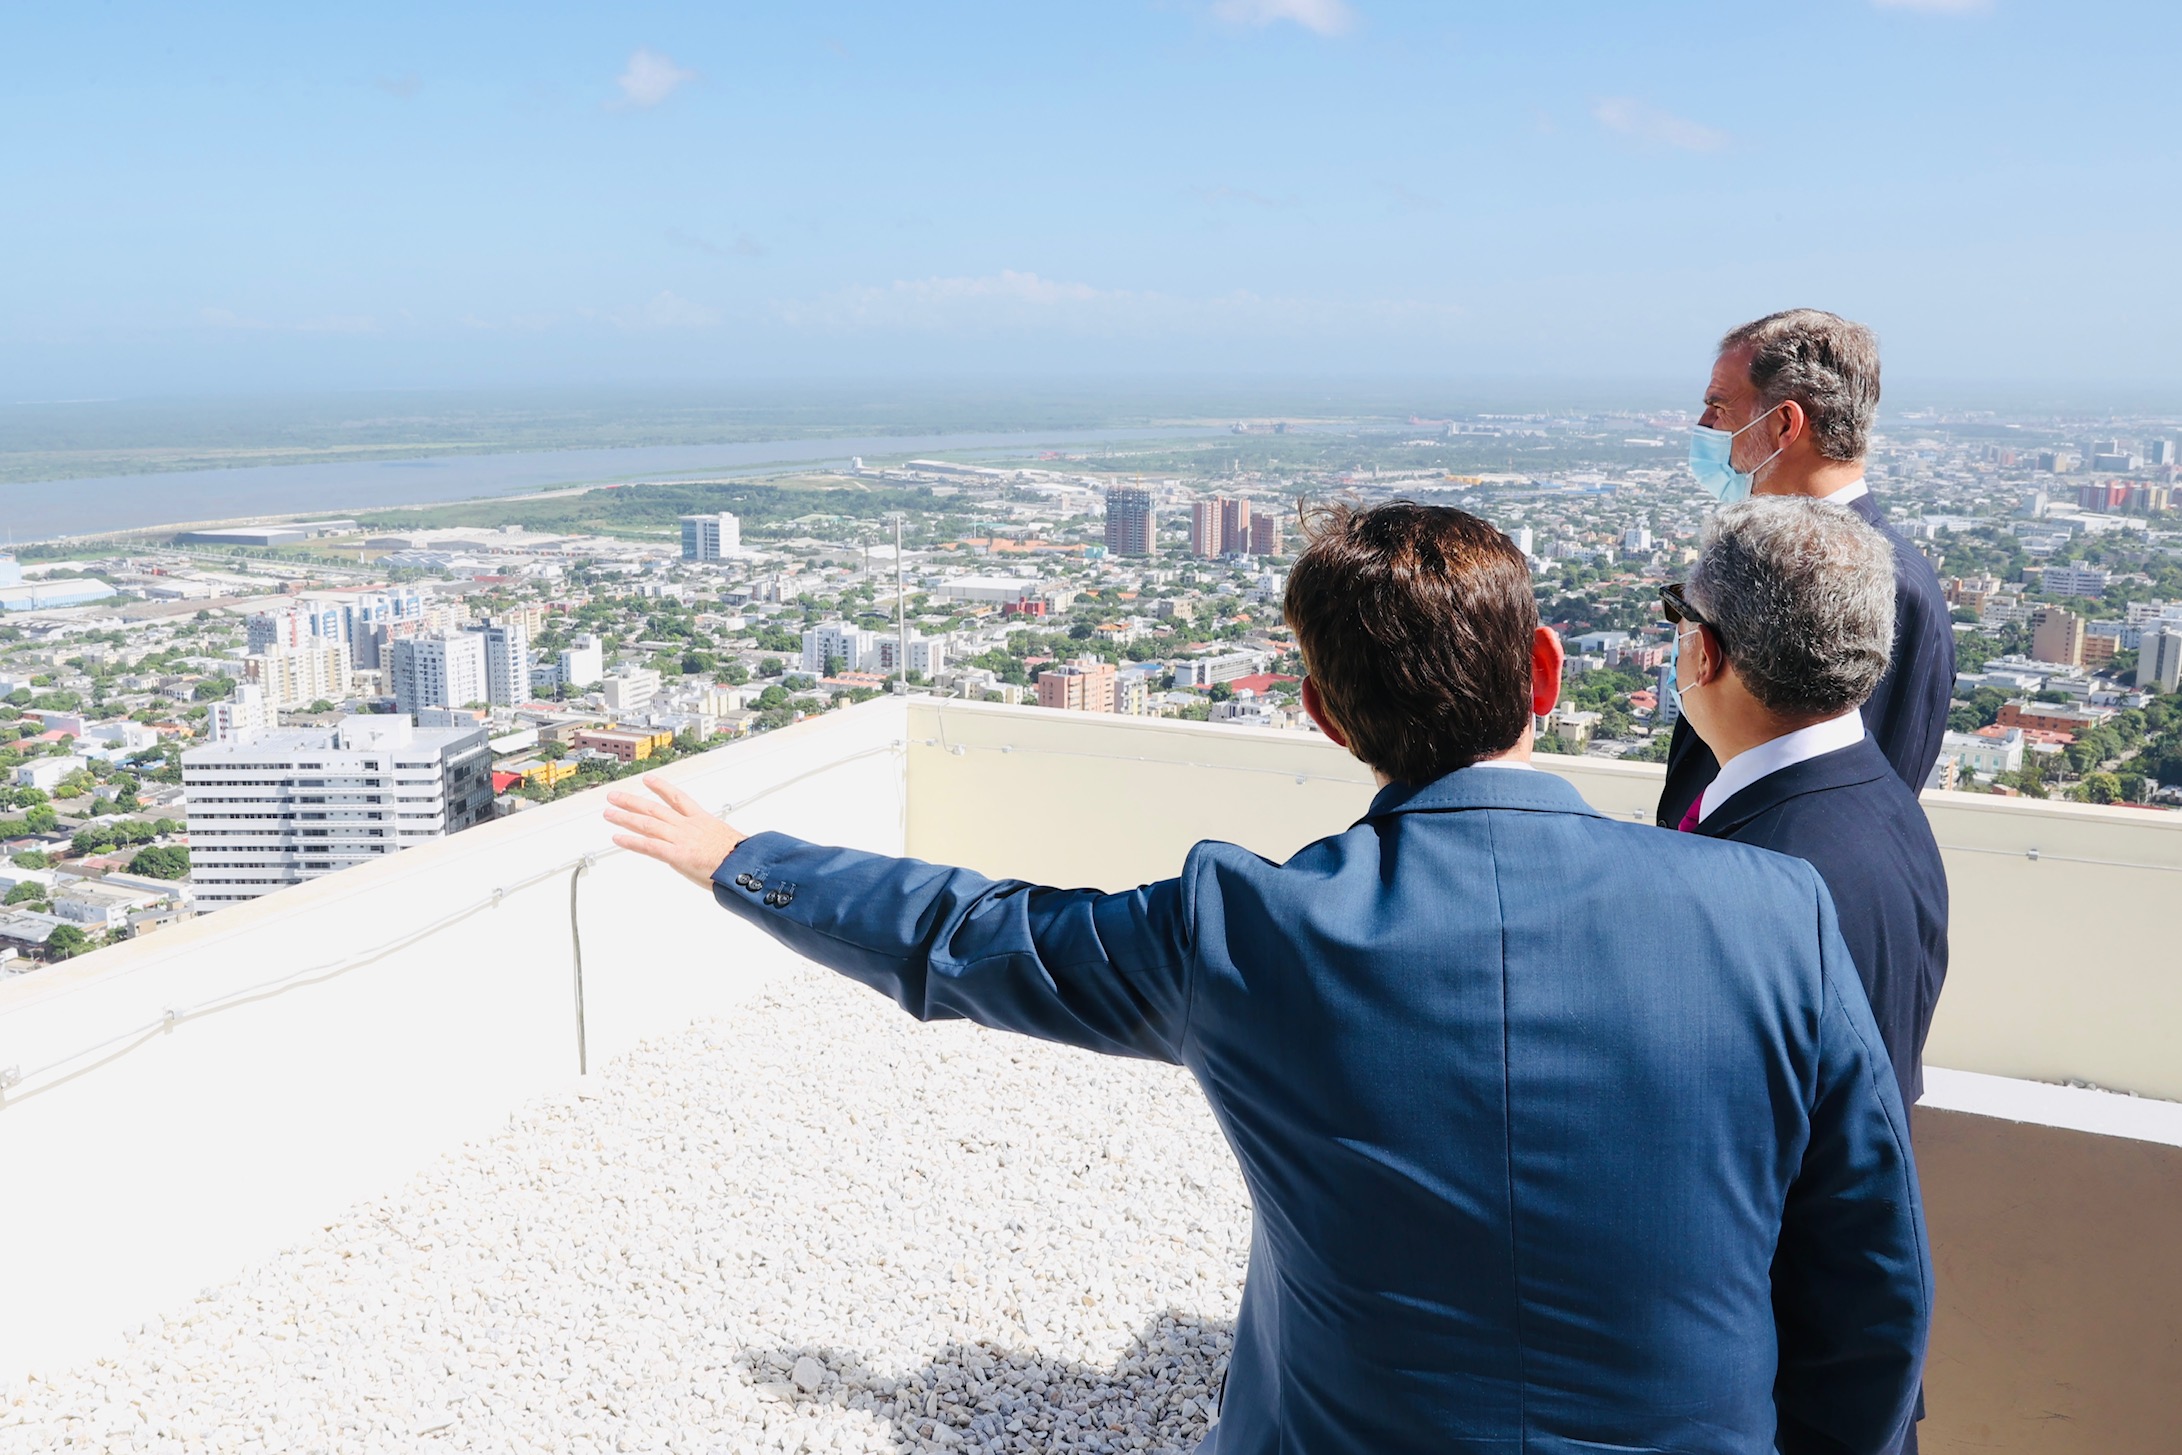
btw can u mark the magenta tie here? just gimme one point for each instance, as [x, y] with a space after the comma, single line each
[1689, 820]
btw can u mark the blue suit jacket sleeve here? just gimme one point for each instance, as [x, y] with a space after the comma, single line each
[1107, 972]
[1852, 1276]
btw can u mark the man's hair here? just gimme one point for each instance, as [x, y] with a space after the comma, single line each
[1801, 595]
[1415, 623]
[1823, 362]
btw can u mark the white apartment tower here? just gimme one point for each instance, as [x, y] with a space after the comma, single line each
[925, 654]
[711, 537]
[275, 807]
[629, 691]
[583, 663]
[246, 712]
[834, 640]
[507, 663]
[2159, 659]
[441, 671]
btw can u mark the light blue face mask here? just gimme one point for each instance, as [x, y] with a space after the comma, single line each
[1674, 670]
[1711, 461]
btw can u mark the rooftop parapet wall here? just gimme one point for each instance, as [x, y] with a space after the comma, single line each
[2065, 963]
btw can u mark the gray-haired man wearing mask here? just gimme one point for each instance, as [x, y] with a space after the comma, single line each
[1788, 411]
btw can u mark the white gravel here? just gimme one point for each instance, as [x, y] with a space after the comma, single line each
[816, 1226]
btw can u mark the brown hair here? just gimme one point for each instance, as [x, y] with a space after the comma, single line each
[1415, 622]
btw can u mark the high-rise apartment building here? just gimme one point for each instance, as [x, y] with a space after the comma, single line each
[362, 620]
[1081, 686]
[507, 662]
[1234, 525]
[438, 671]
[371, 619]
[1265, 534]
[246, 711]
[630, 690]
[835, 645]
[582, 663]
[2159, 659]
[1207, 537]
[1669, 710]
[297, 624]
[2159, 452]
[711, 537]
[296, 676]
[2072, 581]
[278, 806]
[1131, 529]
[926, 655]
[2057, 635]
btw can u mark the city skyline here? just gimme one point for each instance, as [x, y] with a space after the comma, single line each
[669, 195]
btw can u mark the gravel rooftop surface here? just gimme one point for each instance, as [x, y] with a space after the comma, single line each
[814, 1226]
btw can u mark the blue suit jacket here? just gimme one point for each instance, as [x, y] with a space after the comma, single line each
[1562, 1135]
[1906, 713]
[1850, 818]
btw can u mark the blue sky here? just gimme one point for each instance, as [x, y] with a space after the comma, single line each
[264, 197]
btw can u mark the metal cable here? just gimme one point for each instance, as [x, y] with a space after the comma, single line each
[575, 946]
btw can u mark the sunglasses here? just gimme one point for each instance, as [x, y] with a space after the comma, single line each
[1676, 604]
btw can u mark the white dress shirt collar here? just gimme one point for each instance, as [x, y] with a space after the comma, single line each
[1855, 490]
[1766, 759]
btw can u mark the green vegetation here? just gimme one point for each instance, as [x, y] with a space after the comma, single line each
[161, 861]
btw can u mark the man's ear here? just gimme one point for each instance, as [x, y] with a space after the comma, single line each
[1316, 707]
[1546, 659]
[1711, 657]
[1794, 424]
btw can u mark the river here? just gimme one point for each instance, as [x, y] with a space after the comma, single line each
[41, 511]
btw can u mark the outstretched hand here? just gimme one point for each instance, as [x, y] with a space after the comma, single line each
[668, 825]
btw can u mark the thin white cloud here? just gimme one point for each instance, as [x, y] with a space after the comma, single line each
[1649, 124]
[401, 87]
[649, 79]
[666, 312]
[1010, 301]
[1937, 7]
[1325, 17]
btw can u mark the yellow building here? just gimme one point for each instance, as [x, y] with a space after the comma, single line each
[630, 745]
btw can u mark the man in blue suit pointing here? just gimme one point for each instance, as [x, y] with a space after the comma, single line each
[1521, 1181]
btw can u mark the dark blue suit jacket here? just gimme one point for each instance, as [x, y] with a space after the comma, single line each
[1907, 712]
[1562, 1135]
[1850, 818]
